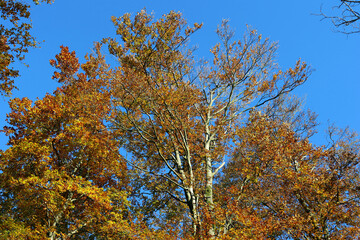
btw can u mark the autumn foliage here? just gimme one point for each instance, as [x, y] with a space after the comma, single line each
[15, 39]
[160, 145]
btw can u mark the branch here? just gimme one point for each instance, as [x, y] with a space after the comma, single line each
[347, 18]
[221, 166]
[158, 175]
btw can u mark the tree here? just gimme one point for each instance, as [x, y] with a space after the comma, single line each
[62, 176]
[15, 39]
[178, 124]
[281, 186]
[348, 17]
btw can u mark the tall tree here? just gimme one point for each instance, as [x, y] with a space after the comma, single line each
[15, 39]
[62, 176]
[179, 124]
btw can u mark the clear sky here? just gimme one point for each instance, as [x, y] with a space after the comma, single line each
[332, 91]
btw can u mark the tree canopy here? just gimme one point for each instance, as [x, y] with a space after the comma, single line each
[161, 145]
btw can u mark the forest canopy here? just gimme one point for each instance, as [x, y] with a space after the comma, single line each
[161, 145]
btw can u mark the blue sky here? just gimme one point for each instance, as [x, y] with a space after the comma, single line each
[332, 90]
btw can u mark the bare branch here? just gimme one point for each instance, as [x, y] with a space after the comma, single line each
[347, 20]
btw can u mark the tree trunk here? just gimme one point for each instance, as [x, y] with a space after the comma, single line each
[209, 185]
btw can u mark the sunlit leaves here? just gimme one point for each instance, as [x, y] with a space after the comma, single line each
[179, 120]
[63, 169]
[15, 39]
[159, 146]
[290, 183]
